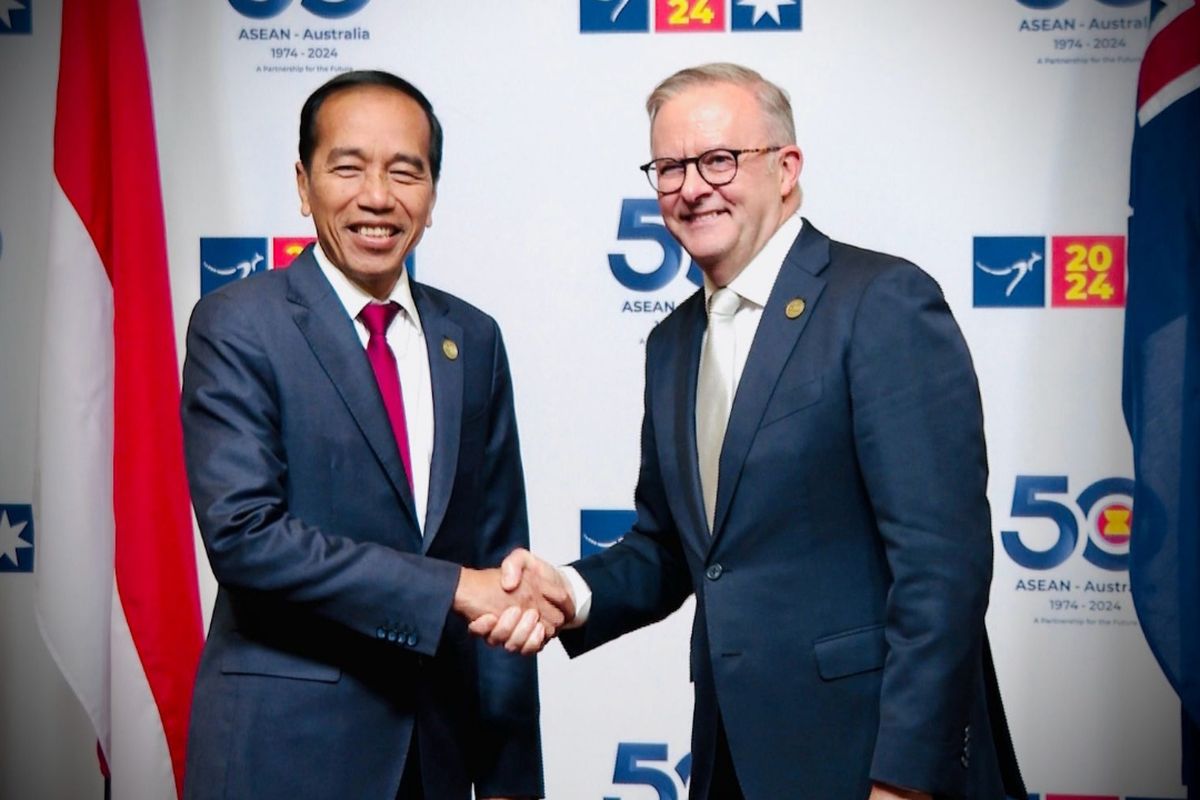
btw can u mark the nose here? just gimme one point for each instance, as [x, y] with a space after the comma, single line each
[694, 187]
[375, 191]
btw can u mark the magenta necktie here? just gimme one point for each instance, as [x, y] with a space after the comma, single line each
[377, 318]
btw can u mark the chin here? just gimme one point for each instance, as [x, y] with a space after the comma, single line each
[704, 255]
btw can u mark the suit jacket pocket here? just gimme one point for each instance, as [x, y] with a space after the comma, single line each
[850, 652]
[252, 658]
[787, 400]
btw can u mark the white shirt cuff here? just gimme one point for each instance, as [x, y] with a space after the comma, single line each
[581, 594]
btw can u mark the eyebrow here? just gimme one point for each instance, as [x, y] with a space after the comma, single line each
[354, 152]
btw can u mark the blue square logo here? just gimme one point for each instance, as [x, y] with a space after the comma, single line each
[16, 538]
[227, 259]
[16, 16]
[765, 15]
[600, 529]
[614, 16]
[1010, 271]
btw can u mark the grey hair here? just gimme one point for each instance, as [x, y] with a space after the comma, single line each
[772, 99]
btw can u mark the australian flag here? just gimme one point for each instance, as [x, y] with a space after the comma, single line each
[1162, 357]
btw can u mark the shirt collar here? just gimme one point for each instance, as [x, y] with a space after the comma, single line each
[353, 297]
[754, 283]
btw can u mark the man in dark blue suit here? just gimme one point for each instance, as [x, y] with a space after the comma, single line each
[813, 471]
[353, 460]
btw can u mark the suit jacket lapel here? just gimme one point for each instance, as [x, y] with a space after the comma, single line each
[772, 346]
[446, 377]
[330, 333]
[679, 387]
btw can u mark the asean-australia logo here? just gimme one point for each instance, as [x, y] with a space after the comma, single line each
[327, 9]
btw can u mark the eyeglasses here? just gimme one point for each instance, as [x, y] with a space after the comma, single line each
[717, 167]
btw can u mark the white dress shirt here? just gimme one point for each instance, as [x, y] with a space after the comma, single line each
[753, 284]
[407, 340]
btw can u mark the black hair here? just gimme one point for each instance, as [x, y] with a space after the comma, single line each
[357, 78]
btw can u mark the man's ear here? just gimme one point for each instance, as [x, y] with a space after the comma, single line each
[429, 215]
[302, 188]
[791, 161]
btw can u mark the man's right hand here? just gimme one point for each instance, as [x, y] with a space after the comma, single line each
[522, 605]
[521, 628]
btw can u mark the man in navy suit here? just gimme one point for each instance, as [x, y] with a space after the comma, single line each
[813, 471]
[353, 460]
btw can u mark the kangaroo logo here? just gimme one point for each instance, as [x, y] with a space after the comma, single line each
[618, 7]
[241, 269]
[1018, 269]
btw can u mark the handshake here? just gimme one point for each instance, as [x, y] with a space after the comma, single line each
[521, 604]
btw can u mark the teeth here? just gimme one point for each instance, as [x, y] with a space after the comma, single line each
[375, 232]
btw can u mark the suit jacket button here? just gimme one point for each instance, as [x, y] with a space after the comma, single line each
[391, 635]
[714, 572]
[966, 762]
[412, 640]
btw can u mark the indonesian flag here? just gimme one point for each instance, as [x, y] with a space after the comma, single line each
[117, 596]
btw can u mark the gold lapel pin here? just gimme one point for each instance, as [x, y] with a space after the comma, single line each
[795, 307]
[449, 349]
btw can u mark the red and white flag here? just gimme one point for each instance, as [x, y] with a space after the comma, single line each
[117, 595]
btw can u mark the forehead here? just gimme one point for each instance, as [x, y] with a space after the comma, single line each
[364, 114]
[708, 115]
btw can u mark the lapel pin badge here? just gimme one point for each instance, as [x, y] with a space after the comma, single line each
[449, 349]
[795, 307]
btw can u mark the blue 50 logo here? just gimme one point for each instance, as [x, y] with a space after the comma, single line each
[641, 220]
[329, 9]
[631, 769]
[1111, 498]
[1042, 5]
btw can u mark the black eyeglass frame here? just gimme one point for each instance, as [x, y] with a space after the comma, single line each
[683, 162]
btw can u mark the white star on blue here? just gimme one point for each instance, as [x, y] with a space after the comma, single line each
[7, 7]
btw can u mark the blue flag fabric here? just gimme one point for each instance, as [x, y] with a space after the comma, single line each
[1161, 391]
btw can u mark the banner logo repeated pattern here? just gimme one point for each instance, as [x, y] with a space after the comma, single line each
[328, 9]
[1085, 271]
[226, 259]
[641, 220]
[630, 769]
[1112, 518]
[1042, 5]
[687, 16]
[757, 15]
[284, 249]
[600, 529]
[16, 538]
[1010, 271]
[16, 16]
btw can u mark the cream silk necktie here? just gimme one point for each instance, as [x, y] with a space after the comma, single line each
[714, 392]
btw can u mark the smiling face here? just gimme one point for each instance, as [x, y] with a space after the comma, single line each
[723, 228]
[369, 188]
